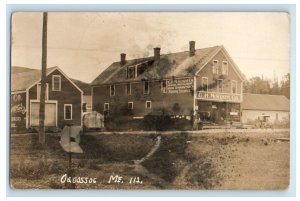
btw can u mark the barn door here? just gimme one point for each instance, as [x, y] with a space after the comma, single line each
[50, 114]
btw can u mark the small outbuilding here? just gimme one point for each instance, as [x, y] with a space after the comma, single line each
[255, 106]
[63, 103]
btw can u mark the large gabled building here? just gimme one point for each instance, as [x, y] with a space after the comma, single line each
[199, 81]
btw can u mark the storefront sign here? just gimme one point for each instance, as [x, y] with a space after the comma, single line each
[215, 96]
[179, 85]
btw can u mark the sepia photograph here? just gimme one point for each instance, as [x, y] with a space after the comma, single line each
[150, 100]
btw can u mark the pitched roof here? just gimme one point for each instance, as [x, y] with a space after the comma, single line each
[22, 78]
[265, 102]
[178, 64]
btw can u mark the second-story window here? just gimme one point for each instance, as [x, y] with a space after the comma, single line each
[215, 67]
[220, 85]
[233, 86]
[225, 68]
[204, 83]
[128, 89]
[112, 90]
[146, 87]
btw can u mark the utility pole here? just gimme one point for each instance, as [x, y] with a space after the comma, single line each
[43, 81]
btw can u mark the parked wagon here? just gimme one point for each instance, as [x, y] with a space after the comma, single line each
[92, 121]
[263, 121]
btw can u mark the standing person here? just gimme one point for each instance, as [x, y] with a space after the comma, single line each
[196, 121]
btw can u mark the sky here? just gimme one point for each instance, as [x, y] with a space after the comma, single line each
[84, 44]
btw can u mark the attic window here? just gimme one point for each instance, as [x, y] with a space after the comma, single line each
[225, 68]
[215, 67]
[56, 83]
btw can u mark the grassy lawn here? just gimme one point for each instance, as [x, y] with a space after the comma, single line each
[204, 160]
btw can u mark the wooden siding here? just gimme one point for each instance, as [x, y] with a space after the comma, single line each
[213, 79]
[69, 94]
[180, 103]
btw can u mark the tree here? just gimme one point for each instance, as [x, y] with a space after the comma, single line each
[257, 85]
[285, 86]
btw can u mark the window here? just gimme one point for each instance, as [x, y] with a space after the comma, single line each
[146, 87]
[131, 72]
[130, 105]
[112, 90]
[148, 104]
[106, 106]
[38, 92]
[68, 111]
[56, 83]
[164, 86]
[225, 68]
[233, 86]
[215, 68]
[141, 68]
[204, 83]
[128, 89]
[220, 85]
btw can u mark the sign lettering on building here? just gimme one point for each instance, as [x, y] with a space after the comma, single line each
[215, 96]
[18, 110]
[182, 85]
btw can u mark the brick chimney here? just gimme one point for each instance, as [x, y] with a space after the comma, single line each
[192, 48]
[156, 54]
[123, 58]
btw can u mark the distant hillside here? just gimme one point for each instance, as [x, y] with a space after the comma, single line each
[17, 69]
[85, 87]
